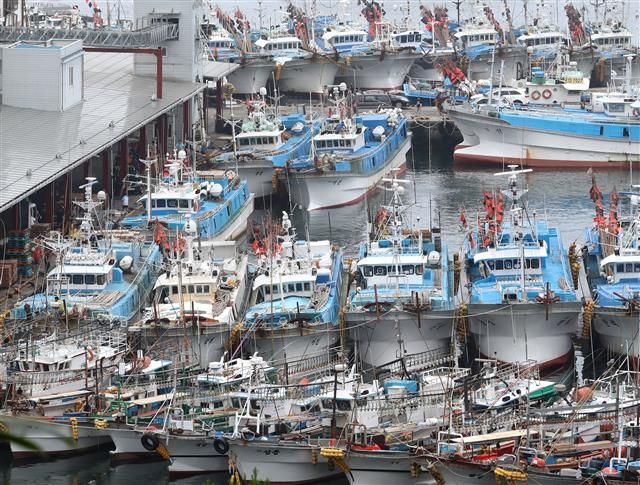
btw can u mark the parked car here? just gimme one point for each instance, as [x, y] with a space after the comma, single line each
[380, 99]
[513, 96]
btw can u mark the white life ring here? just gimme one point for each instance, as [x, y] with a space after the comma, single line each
[535, 95]
[546, 94]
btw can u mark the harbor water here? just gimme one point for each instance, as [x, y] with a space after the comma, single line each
[439, 193]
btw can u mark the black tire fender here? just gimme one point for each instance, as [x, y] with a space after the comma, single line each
[221, 446]
[150, 441]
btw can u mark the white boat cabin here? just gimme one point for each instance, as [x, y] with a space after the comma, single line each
[409, 269]
[476, 36]
[504, 263]
[619, 267]
[83, 271]
[614, 39]
[407, 38]
[263, 140]
[541, 39]
[344, 39]
[193, 288]
[273, 288]
[279, 44]
[167, 201]
[220, 42]
[340, 136]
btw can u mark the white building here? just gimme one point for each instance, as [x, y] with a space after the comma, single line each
[43, 75]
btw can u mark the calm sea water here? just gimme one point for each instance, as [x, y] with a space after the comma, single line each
[439, 191]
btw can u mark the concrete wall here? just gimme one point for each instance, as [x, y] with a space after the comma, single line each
[182, 55]
[37, 76]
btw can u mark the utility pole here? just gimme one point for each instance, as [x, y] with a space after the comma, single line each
[457, 3]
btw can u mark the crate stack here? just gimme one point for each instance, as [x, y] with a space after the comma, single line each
[18, 249]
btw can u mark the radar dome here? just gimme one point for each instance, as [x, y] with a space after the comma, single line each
[190, 226]
[215, 190]
[126, 263]
[433, 257]
[378, 131]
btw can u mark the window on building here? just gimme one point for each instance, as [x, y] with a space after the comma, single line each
[70, 75]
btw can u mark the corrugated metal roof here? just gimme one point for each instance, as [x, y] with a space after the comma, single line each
[216, 70]
[38, 146]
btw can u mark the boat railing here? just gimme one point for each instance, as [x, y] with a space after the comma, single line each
[419, 361]
[45, 378]
[516, 371]
[318, 364]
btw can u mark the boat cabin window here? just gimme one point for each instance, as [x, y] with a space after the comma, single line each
[367, 271]
[307, 286]
[88, 279]
[298, 286]
[159, 203]
[407, 269]
[191, 289]
[184, 203]
[380, 270]
[172, 203]
[500, 264]
[419, 269]
[275, 290]
[614, 107]
[627, 268]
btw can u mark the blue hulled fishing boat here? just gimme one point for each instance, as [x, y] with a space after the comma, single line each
[266, 143]
[524, 301]
[612, 259]
[218, 201]
[97, 273]
[294, 302]
[350, 155]
[403, 302]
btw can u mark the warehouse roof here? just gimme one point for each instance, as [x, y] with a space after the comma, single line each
[38, 146]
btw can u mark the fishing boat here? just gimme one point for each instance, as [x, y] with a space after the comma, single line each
[69, 434]
[218, 201]
[542, 37]
[368, 60]
[532, 137]
[196, 301]
[612, 260]
[510, 384]
[232, 372]
[98, 273]
[62, 363]
[523, 293]
[265, 143]
[253, 70]
[295, 297]
[300, 66]
[349, 156]
[403, 301]
[487, 49]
